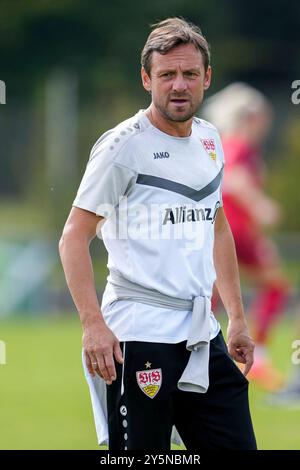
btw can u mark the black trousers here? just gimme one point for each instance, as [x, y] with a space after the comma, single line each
[144, 402]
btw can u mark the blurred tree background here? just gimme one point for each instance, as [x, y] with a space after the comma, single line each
[72, 70]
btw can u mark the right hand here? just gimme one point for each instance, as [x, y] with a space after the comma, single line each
[100, 347]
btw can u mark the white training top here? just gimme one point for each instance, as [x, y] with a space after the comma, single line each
[160, 195]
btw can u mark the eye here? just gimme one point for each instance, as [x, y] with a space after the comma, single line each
[167, 74]
[191, 74]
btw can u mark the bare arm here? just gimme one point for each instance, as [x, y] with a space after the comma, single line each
[99, 343]
[240, 344]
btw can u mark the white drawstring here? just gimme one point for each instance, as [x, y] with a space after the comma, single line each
[122, 381]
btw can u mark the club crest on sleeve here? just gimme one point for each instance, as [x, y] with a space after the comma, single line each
[210, 148]
[149, 381]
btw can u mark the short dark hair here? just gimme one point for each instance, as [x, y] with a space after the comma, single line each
[170, 33]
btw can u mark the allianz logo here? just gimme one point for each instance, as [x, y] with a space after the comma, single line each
[181, 214]
[161, 155]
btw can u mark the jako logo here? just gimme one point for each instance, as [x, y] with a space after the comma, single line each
[161, 154]
[2, 92]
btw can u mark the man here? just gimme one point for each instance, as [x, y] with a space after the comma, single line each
[155, 179]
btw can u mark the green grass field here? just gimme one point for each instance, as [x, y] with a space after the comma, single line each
[44, 400]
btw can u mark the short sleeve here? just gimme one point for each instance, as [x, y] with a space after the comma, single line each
[222, 169]
[104, 182]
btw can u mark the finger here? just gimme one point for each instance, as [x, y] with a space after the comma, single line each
[89, 364]
[236, 354]
[230, 350]
[249, 363]
[118, 353]
[239, 358]
[95, 366]
[241, 354]
[110, 366]
[103, 370]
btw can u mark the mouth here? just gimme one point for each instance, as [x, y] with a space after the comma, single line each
[179, 101]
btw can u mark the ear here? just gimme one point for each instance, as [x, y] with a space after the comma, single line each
[146, 80]
[207, 78]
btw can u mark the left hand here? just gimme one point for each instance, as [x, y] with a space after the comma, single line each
[240, 344]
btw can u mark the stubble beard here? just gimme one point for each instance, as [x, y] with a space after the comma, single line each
[177, 118]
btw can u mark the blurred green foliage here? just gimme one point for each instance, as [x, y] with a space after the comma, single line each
[99, 43]
[283, 181]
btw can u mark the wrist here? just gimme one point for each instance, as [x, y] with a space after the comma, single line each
[237, 315]
[90, 319]
[238, 322]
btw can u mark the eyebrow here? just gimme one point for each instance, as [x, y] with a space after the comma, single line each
[193, 69]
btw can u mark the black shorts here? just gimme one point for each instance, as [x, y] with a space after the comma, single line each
[144, 402]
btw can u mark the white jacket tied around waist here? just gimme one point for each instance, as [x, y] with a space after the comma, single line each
[194, 377]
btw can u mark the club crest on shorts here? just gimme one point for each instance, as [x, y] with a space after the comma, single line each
[149, 381]
[210, 148]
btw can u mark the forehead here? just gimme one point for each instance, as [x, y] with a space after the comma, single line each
[183, 56]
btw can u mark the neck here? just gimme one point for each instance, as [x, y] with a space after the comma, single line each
[174, 128]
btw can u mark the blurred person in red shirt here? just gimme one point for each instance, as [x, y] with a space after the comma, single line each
[243, 116]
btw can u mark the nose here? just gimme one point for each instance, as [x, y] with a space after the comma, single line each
[179, 84]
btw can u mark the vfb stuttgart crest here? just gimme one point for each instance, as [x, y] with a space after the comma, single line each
[210, 147]
[149, 381]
